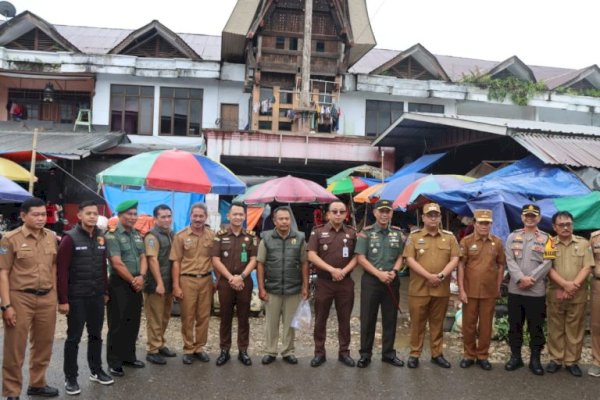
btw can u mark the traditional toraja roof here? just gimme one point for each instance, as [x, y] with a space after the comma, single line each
[422, 56]
[590, 74]
[27, 21]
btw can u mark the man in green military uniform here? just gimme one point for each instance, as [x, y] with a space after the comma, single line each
[379, 248]
[127, 270]
[158, 288]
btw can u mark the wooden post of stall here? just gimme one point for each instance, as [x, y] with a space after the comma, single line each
[33, 157]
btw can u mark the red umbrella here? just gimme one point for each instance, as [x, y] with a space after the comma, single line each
[290, 189]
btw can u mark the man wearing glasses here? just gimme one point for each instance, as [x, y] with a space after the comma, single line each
[331, 250]
[480, 273]
[567, 295]
[529, 254]
[432, 254]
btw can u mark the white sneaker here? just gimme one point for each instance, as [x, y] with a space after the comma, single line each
[102, 378]
[594, 371]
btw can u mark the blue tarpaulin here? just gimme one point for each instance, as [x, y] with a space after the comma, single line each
[506, 190]
[148, 199]
[419, 165]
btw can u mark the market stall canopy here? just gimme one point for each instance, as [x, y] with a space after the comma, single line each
[173, 170]
[585, 210]
[11, 192]
[290, 189]
[13, 171]
[419, 165]
[351, 184]
[363, 170]
[429, 184]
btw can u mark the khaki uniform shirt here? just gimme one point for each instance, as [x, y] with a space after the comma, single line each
[193, 251]
[432, 252]
[128, 245]
[381, 246]
[595, 243]
[30, 260]
[336, 248]
[481, 255]
[571, 258]
[231, 248]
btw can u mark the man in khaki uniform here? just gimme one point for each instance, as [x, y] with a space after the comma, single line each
[192, 282]
[29, 300]
[432, 254]
[595, 303]
[480, 273]
[567, 295]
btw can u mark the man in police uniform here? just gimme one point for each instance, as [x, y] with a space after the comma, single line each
[128, 267]
[567, 294]
[28, 293]
[234, 258]
[529, 254]
[432, 254]
[192, 282]
[594, 370]
[480, 273]
[331, 250]
[379, 250]
[158, 287]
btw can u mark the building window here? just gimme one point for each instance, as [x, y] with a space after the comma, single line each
[180, 111]
[293, 43]
[63, 109]
[426, 108]
[280, 42]
[380, 115]
[320, 47]
[131, 109]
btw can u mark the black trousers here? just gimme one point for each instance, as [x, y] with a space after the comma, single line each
[124, 311]
[530, 309]
[89, 312]
[375, 294]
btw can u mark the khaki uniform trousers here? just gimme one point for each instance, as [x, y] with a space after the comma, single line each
[595, 323]
[477, 319]
[565, 331]
[195, 312]
[36, 318]
[280, 308]
[423, 310]
[158, 313]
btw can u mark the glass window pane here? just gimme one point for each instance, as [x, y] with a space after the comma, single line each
[117, 89]
[166, 111]
[131, 103]
[196, 93]
[383, 121]
[166, 92]
[147, 91]
[180, 117]
[146, 106]
[132, 90]
[182, 93]
[195, 118]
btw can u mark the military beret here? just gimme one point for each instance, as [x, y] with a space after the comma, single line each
[126, 205]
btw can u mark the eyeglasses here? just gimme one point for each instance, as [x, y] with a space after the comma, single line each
[565, 225]
[433, 216]
[337, 211]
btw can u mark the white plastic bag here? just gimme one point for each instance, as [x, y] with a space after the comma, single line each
[302, 320]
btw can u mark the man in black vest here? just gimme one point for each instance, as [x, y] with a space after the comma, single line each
[158, 288]
[82, 288]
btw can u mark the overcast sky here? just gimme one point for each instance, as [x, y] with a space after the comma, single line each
[551, 32]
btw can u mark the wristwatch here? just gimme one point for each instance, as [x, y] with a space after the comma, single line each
[441, 276]
[6, 307]
[243, 275]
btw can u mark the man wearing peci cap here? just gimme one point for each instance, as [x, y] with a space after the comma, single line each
[379, 249]
[432, 254]
[128, 267]
[480, 273]
[529, 255]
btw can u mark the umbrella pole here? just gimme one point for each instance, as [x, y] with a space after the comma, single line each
[353, 210]
[33, 157]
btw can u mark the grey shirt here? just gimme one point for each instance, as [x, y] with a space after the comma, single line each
[525, 257]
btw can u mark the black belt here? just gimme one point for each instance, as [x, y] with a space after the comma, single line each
[198, 275]
[37, 292]
[597, 277]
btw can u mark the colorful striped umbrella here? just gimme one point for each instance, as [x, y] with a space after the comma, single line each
[289, 189]
[13, 171]
[349, 184]
[361, 170]
[11, 192]
[369, 194]
[429, 184]
[174, 170]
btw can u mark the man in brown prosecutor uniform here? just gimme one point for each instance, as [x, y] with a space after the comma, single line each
[432, 254]
[480, 273]
[331, 250]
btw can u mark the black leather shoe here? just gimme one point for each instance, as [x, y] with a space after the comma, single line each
[317, 361]
[413, 362]
[134, 364]
[484, 364]
[166, 352]
[118, 371]
[346, 360]
[244, 358]
[46, 391]
[223, 357]
[291, 359]
[268, 359]
[552, 367]
[155, 358]
[514, 363]
[440, 361]
[363, 362]
[535, 365]
[395, 361]
[12, 398]
[202, 356]
[187, 359]
[466, 362]
[574, 370]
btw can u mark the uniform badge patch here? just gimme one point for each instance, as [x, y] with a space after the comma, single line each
[151, 243]
[3, 250]
[225, 254]
[325, 247]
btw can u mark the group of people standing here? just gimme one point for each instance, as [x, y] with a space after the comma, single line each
[123, 270]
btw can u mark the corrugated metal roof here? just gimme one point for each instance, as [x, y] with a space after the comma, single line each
[576, 151]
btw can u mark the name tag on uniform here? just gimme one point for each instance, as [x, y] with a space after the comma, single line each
[345, 252]
[81, 248]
